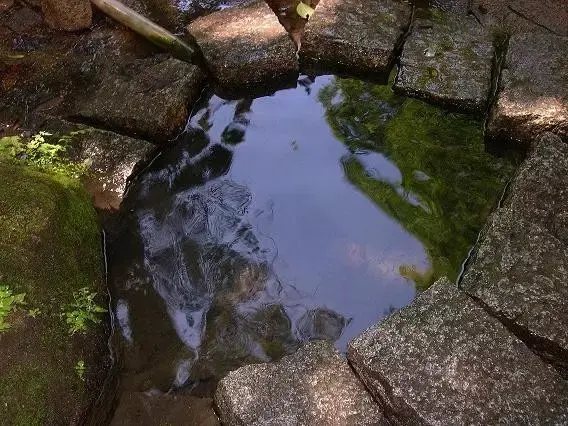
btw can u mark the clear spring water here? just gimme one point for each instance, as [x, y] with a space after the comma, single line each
[310, 214]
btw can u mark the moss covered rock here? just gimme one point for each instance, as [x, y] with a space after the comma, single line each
[50, 252]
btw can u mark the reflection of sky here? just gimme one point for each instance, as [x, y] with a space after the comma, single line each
[333, 255]
[335, 246]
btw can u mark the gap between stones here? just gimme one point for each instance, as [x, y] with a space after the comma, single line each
[537, 345]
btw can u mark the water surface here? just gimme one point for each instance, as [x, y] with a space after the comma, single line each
[310, 214]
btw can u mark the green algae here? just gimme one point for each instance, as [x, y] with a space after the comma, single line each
[50, 248]
[449, 183]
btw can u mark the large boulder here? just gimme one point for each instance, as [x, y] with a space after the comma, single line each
[149, 97]
[533, 96]
[519, 270]
[444, 360]
[448, 60]
[357, 37]
[315, 386]
[50, 255]
[246, 48]
[68, 15]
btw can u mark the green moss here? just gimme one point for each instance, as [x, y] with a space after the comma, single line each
[449, 184]
[468, 54]
[50, 248]
[447, 45]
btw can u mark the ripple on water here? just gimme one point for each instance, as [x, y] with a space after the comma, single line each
[310, 214]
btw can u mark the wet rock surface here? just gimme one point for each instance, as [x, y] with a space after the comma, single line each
[110, 158]
[533, 94]
[68, 15]
[443, 359]
[149, 97]
[47, 72]
[550, 16]
[447, 60]
[354, 37]
[314, 386]
[520, 268]
[174, 15]
[146, 409]
[246, 48]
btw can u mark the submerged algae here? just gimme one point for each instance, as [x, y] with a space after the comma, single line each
[448, 183]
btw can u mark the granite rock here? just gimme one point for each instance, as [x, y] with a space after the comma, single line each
[513, 16]
[358, 37]
[444, 360]
[539, 191]
[149, 98]
[533, 94]
[447, 60]
[519, 269]
[246, 48]
[314, 386]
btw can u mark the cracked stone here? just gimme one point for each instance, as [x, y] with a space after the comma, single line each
[444, 360]
[519, 269]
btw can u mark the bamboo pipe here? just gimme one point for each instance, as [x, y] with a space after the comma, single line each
[146, 28]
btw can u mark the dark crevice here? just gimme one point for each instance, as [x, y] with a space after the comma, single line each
[395, 409]
[532, 21]
[467, 261]
[401, 42]
[550, 352]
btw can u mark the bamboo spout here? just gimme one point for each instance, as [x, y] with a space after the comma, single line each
[146, 28]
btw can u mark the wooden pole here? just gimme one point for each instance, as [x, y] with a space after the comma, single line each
[146, 28]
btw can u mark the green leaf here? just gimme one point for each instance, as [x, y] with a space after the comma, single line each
[304, 11]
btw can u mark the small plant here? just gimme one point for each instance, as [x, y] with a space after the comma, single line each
[39, 151]
[82, 311]
[80, 369]
[8, 301]
[34, 313]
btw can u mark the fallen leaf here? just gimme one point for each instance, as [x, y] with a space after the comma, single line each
[304, 10]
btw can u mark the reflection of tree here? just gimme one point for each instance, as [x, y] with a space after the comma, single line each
[194, 275]
[442, 161]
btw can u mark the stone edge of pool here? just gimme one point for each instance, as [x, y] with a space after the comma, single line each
[493, 346]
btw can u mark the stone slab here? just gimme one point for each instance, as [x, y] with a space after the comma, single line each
[314, 386]
[149, 98]
[533, 95]
[447, 60]
[246, 48]
[519, 269]
[110, 158]
[444, 360]
[358, 37]
[523, 15]
[539, 191]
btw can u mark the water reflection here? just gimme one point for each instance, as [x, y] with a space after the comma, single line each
[278, 220]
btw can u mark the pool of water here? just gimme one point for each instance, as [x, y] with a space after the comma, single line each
[310, 214]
